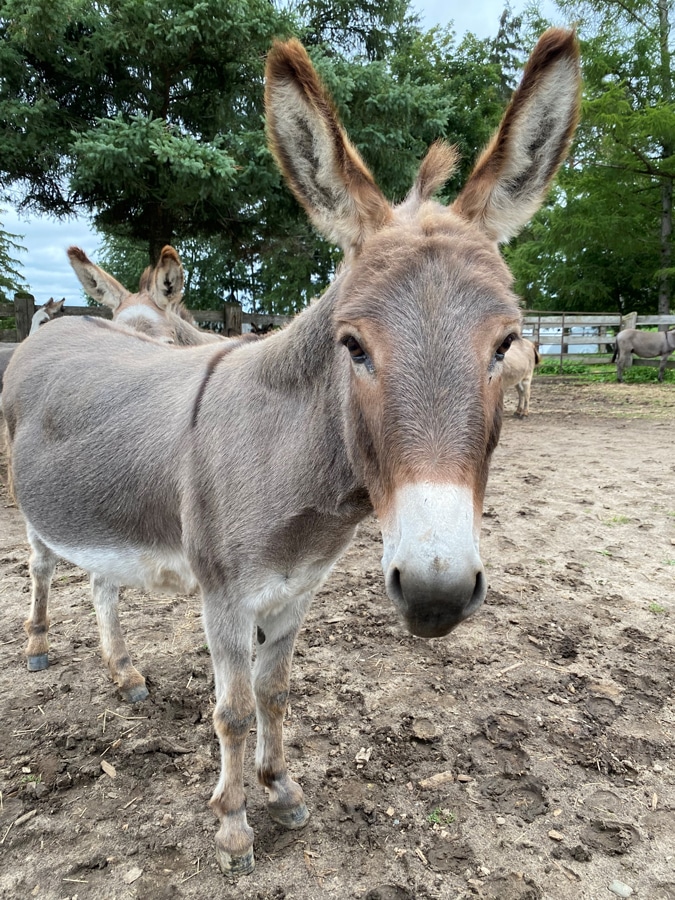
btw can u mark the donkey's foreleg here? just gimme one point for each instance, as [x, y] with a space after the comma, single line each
[41, 566]
[131, 683]
[271, 679]
[230, 645]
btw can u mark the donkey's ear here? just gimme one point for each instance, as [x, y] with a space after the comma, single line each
[167, 280]
[323, 169]
[98, 284]
[514, 172]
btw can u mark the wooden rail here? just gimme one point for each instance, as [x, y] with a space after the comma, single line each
[230, 317]
[554, 330]
[536, 326]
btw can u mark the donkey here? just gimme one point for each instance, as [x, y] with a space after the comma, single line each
[646, 345]
[385, 394]
[52, 309]
[518, 371]
[156, 309]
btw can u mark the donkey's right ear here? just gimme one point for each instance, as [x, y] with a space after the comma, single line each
[167, 280]
[323, 169]
[98, 284]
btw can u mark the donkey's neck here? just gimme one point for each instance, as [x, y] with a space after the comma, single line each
[306, 366]
[304, 353]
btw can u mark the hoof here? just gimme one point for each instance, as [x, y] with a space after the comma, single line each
[289, 817]
[234, 866]
[38, 663]
[136, 694]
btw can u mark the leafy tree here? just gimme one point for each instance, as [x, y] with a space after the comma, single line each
[10, 277]
[606, 240]
[150, 117]
[145, 114]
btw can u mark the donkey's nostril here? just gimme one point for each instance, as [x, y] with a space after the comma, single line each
[480, 590]
[394, 588]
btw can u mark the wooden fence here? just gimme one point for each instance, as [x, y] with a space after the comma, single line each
[229, 320]
[564, 331]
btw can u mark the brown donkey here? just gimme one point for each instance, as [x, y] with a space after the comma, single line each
[385, 394]
[156, 310]
[518, 370]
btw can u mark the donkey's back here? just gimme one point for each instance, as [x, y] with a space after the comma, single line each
[121, 434]
[644, 344]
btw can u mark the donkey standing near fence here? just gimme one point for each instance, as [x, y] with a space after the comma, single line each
[646, 345]
[384, 394]
[518, 372]
[156, 309]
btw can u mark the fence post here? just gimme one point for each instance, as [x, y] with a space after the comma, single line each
[562, 342]
[24, 310]
[232, 319]
[628, 321]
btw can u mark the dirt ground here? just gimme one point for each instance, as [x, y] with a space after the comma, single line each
[527, 755]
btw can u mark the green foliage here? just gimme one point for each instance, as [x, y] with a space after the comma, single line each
[10, 277]
[600, 373]
[440, 816]
[598, 244]
[150, 117]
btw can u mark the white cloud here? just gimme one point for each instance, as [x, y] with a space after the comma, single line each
[481, 17]
[44, 264]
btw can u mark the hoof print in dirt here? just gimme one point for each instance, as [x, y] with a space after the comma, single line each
[614, 838]
[389, 892]
[511, 886]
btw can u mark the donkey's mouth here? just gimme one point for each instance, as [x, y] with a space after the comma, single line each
[434, 611]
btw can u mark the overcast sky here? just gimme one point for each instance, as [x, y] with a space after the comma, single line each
[44, 264]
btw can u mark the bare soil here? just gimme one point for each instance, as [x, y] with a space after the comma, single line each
[548, 717]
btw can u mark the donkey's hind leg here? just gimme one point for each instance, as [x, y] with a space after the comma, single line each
[662, 365]
[271, 680]
[41, 566]
[131, 683]
[520, 409]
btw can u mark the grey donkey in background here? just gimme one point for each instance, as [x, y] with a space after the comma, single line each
[645, 344]
[384, 395]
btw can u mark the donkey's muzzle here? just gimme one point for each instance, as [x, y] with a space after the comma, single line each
[434, 609]
[432, 567]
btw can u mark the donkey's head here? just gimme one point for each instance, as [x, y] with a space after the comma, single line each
[52, 309]
[424, 311]
[155, 310]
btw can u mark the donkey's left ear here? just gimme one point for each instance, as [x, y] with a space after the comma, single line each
[167, 280]
[514, 172]
[323, 169]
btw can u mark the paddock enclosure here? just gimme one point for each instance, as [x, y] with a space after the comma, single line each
[529, 754]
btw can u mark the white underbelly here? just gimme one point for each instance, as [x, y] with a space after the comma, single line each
[151, 569]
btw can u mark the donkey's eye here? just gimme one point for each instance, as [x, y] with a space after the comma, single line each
[500, 352]
[356, 351]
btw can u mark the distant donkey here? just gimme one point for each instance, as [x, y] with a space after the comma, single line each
[385, 394]
[156, 310]
[645, 344]
[518, 370]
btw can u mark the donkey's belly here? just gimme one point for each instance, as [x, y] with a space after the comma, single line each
[152, 569]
